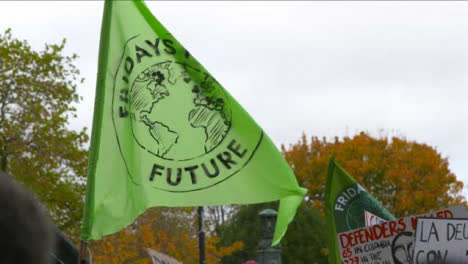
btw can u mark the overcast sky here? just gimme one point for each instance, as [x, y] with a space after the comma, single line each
[323, 68]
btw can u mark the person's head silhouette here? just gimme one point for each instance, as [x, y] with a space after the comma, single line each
[26, 233]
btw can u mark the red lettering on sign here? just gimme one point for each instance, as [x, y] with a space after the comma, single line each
[344, 241]
[363, 236]
[448, 214]
[413, 223]
[393, 229]
[378, 231]
[369, 234]
[402, 223]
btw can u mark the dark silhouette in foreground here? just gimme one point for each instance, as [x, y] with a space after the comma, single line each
[26, 232]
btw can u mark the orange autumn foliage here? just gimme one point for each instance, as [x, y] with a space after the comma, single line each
[171, 231]
[406, 176]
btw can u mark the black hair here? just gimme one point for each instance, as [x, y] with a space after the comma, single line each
[25, 231]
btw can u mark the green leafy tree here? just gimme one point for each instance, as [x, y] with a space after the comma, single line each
[304, 242]
[37, 93]
[306, 239]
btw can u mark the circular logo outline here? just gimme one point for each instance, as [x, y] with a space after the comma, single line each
[129, 174]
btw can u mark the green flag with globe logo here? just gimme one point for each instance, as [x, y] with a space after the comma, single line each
[166, 133]
[345, 203]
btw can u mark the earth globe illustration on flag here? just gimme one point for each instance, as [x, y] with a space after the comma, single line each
[355, 210]
[178, 112]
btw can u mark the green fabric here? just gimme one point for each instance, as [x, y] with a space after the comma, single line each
[345, 203]
[166, 133]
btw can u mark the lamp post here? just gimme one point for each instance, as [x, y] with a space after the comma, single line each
[266, 253]
[201, 235]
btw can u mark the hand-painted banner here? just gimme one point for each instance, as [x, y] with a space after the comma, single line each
[371, 219]
[389, 242]
[441, 241]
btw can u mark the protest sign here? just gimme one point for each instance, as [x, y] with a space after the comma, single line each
[388, 242]
[160, 258]
[441, 241]
[371, 219]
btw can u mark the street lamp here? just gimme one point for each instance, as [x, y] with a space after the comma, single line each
[266, 253]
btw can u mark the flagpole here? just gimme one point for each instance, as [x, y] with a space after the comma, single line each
[201, 235]
[83, 244]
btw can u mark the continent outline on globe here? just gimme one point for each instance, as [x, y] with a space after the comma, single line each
[209, 112]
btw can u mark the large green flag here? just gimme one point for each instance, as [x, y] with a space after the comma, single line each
[345, 203]
[166, 133]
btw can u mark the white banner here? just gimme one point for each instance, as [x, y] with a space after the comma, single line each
[441, 241]
[371, 219]
[389, 242]
[160, 258]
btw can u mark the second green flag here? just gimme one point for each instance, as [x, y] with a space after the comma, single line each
[345, 204]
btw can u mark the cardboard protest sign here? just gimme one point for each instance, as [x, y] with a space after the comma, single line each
[389, 242]
[441, 241]
[371, 219]
[160, 258]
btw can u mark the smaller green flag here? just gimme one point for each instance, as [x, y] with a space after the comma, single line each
[345, 203]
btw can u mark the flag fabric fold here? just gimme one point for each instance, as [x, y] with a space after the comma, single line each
[166, 133]
[346, 202]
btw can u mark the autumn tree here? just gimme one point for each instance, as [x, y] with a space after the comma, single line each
[37, 94]
[406, 176]
[171, 231]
